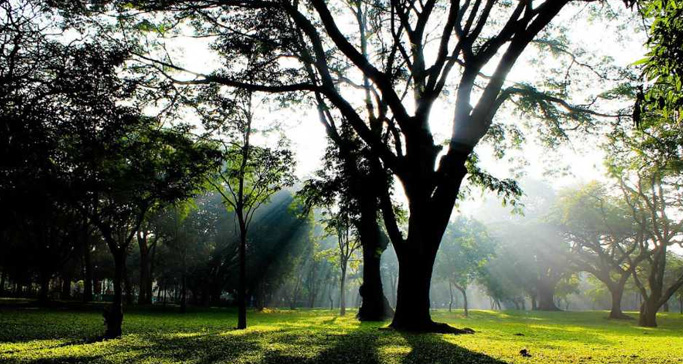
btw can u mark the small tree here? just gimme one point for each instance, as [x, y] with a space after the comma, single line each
[250, 174]
[465, 249]
[339, 225]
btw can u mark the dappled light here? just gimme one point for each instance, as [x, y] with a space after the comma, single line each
[341, 181]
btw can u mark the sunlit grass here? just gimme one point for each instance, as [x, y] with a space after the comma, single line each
[320, 336]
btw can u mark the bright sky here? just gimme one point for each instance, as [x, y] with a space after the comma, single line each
[602, 39]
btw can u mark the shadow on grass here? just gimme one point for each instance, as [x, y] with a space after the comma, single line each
[432, 348]
[364, 344]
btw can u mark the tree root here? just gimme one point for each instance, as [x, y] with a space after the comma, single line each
[432, 327]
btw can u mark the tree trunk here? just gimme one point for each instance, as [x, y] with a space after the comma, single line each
[183, 293]
[374, 305]
[546, 296]
[66, 286]
[114, 315]
[87, 273]
[412, 306]
[128, 286]
[463, 290]
[342, 291]
[2, 283]
[648, 314]
[450, 291]
[242, 284]
[44, 286]
[145, 296]
[617, 292]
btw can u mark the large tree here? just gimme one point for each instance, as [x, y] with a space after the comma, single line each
[604, 241]
[406, 55]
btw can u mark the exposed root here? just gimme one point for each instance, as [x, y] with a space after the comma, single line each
[432, 327]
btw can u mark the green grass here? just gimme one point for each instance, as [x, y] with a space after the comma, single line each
[30, 334]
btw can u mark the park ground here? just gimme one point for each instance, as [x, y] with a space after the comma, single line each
[66, 333]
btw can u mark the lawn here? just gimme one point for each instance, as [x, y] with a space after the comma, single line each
[62, 334]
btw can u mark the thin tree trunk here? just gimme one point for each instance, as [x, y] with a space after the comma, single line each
[463, 291]
[66, 286]
[183, 293]
[145, 296]
[127, 286]
[88, 272]
[2, 282]
[242, 284]
[342, 290]
[44, 286]
[450, 291]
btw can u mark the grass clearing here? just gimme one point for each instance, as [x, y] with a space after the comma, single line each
[43, 335]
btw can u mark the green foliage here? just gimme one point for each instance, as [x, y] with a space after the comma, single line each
[465, 249]
[663, 64]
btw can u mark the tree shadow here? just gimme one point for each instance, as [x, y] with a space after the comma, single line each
[432, 348]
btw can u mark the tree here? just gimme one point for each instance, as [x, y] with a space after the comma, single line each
[122, 171]
[465, 250]
[250, 175]
[389, 55]
[602, 237]
[349, 176]
[645, 163]
[663, 64]
[338, 224]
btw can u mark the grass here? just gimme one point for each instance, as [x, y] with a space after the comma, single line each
[44, 335]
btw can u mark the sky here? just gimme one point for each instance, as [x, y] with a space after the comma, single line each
[579, 158]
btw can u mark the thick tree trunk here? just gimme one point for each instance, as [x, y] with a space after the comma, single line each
[114, 315]
[616, 313]
[648, 314]
[546, 296]
[374, 305]
[412, 306]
